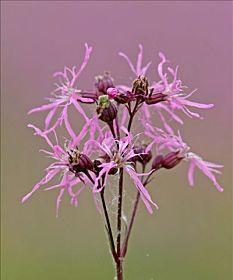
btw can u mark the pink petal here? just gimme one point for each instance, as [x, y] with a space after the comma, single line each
[201, 165]
[44, 108]
[58, 201]
[67, 123]
[50, 174]
[145, 68]
[129, 62]
[190, 173]
[143, 191]
[49, 117]
[40, 133]
[160, 69]
[84, 64]
[79, 108]
[106, 167]
[82, 134]
[139, 60]
[197, 105]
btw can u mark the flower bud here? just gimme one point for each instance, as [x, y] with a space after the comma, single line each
[157, 162]
[112, 92]
[171, 160]
[104, 82]
[140, 86]
[124, 97]
[79, 162]
[155, 98]
[106, 109]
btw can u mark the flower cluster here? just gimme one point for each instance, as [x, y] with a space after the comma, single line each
[113, 146]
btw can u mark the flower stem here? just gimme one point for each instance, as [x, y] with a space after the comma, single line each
[108, 227]
[132, 114]
[119, 213]
[119, 268]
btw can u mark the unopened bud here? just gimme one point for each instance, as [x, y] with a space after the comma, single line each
[112, 92]
[79, 162]
[171, 160]
[157, 162]
[155, 98]
[104, 82]
[124, 97]
[106, 109]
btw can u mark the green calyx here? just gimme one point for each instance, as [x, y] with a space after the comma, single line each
[103, 101]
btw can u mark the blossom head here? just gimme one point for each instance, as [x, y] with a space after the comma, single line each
[180, 151]
[111, 148]
[65, 94]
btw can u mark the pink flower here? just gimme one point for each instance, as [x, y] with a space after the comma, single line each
[72, 165]
[174, 94]
[180, 150]
[65, 95]
[118, 154]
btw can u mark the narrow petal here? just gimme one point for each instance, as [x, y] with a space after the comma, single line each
[104, 172]
[67, 123]
[139, 60]
[160, 69]
[45, 180]
[49, 117]
[79, 108]
[40, 133]
[85, 61]
[43, 108]
[129, 62]
[58, 201]
[197, 105]
[82, 134]
[190, 173]
[145, 68]
[143, 191]
[201, 165]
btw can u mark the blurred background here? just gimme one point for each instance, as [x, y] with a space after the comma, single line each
[190, 237]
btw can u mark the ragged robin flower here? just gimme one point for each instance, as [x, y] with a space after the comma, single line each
[73, 166]
[65, 94]
[120, 154]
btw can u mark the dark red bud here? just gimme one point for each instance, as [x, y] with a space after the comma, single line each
[107, 114]
[157, 162]
[171, 160]
[124, 97]
[155, 98]
[83, 164]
